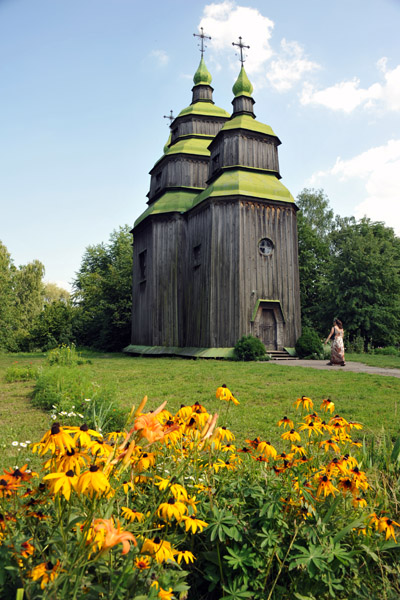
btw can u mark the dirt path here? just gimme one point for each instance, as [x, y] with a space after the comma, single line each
[355, 367]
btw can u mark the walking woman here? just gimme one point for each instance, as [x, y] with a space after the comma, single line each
[337, 346]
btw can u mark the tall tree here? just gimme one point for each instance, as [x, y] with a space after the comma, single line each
[103, 293]
[365, 280]
[7, 312]
[315, 223]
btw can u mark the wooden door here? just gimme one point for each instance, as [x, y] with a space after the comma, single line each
[267, 328]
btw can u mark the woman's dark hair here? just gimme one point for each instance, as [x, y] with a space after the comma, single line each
[339, 323]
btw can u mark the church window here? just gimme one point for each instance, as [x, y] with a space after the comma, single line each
[143, 265]
[265, 246]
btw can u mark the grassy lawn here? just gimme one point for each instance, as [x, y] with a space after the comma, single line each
[266, 392]
[375, 360]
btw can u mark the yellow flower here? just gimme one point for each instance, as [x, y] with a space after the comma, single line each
[163, 594]
[56, 439]
[267, 449]
[304, 402]
[193, 524]
[386, 525]
[187, 556]
[62, 482]
[72, 460]
[93, 481]
[46, 572]
[224, 394]
[347, 485]
[142, 563]
[173, 509]
[114, 535]
[286, 423]
[291, 435]
[131, 515]
[327, 405]
[325, 485]
[311, 427]
[359, 502]
[329, 444]
[160, 549]
[223, 433]
[82, 434]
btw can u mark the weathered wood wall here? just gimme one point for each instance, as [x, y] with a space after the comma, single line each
[191, 172]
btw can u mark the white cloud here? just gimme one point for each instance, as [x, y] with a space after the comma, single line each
[379, 171]
[288, 68]
[226, 21]
[160, 56]
[348, 95]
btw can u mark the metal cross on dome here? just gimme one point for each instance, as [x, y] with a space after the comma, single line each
[241, 46]
[202, 37]
[170, 117]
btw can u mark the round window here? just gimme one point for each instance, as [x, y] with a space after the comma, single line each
[265, 246]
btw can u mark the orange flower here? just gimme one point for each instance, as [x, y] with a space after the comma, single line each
[114, 535]
[149, 427]
[304, 402]
[327, 405]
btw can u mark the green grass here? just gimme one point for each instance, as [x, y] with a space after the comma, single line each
[376, 360]
[266, 392]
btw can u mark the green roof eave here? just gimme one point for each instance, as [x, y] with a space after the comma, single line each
[238, 182]
[170, 201]
[249, 123]
[207, 109]
[190, 145]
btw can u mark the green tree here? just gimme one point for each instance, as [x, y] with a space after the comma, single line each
[28, 298]
[365, 281]
[103, 293]
[54, 325]
[7, 312]
[315, 223]
[53, 293]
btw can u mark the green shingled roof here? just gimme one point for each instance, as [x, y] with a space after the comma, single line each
[170, 201]
[247, 122]
[190, 145]
[238, 182]
[206, 109]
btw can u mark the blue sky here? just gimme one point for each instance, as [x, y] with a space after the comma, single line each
[84, 86]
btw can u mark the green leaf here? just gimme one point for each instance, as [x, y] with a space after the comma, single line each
[395, 456]
[347, 529]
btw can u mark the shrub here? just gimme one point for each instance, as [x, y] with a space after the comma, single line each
[15, 373]
[65, 355]
[388, 351]
[249, 348]
[309, 345]
[357, 345]
[71, 391]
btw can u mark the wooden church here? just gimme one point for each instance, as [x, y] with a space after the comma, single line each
[215, 252]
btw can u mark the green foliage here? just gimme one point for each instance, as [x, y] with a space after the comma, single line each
[66, 356]
[309, 344]
[249, 348]
[70, 390]
[54, 325]
[357, 344]
[21, 373]
[388, 351]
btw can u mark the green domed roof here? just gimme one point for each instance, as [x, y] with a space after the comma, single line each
[202, 75]
[249, 123]
[242, 85]
[208, 109]
[167, 143]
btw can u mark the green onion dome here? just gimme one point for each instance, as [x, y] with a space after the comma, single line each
[242, 85]
[202, 75]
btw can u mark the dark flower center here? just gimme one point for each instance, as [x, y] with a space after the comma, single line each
[84, 427]
[70, 473]
[93, 468]
[55, 428]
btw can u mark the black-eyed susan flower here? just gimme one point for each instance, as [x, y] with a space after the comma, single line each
[163, 594]
[56, 439]
[99, 447]
[172, 509]
[223, 393]
[286, 423]
[254, 443]
[185, 556]
[27, 549]
[160, 549]
[142, 563]
[329, 445]
[72, 460]
[92, 482]
[62, 482]
[82, 435]
[267, 449]
[45, 572]
[193, 524]
[359, 502]
[327, 404]
[386, 525]
[345, 484]
[224, 434]
[291, 435]
[360, 478]
[131, 515]
[312, 428]
[325, 486]
[19, 474]
[304, 402]
[298, 449]
[114, 535]
[8, 487]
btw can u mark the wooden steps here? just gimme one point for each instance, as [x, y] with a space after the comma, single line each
[281, 355]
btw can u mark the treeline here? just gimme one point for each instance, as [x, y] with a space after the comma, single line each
[39, 316]
[348, 269]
